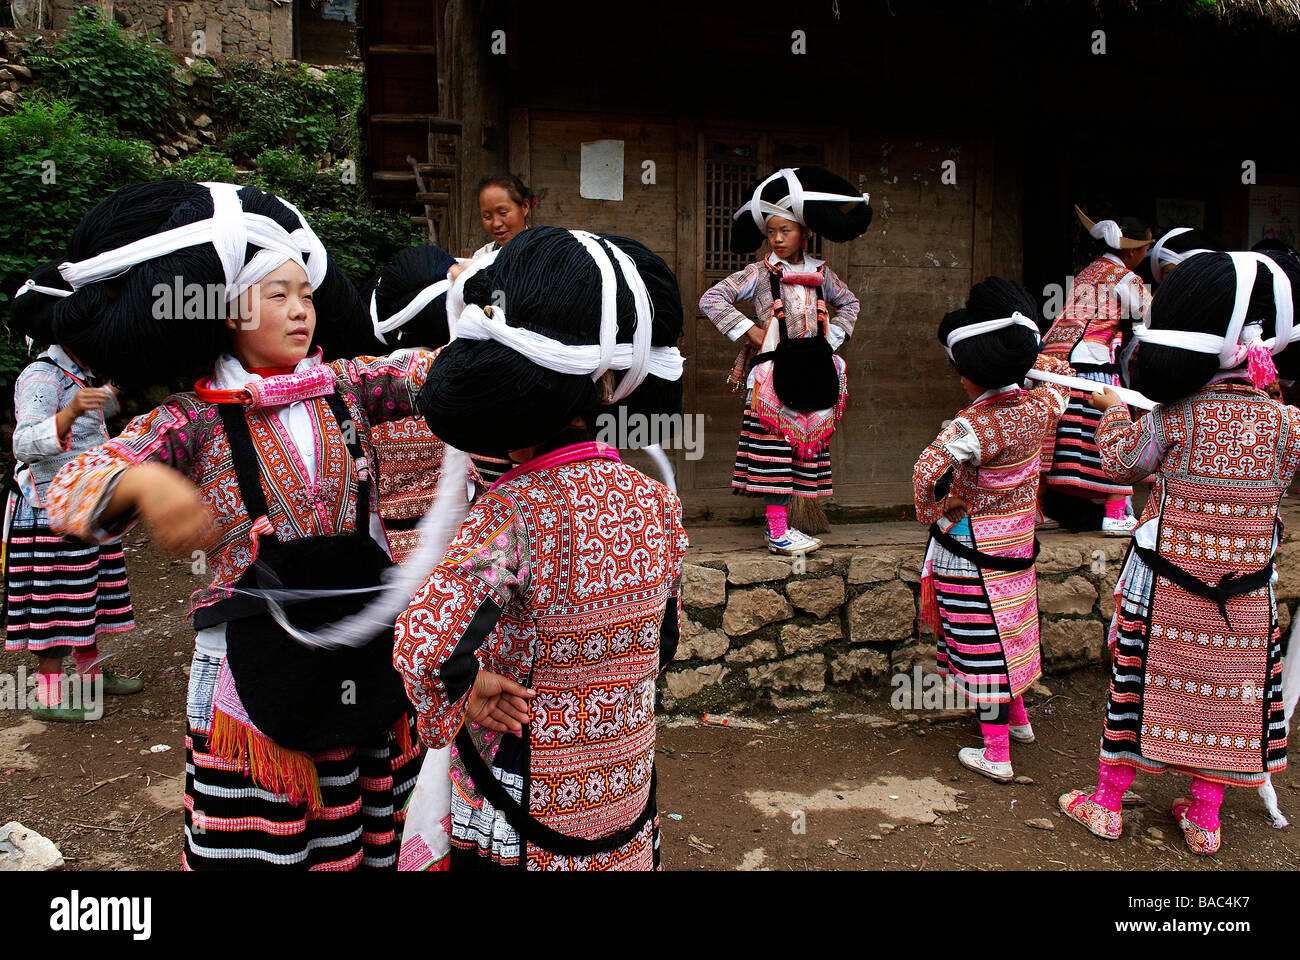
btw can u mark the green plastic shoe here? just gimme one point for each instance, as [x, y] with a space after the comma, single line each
[115, 686]
[64, 714]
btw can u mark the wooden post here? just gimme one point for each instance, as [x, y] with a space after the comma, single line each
[481, 100]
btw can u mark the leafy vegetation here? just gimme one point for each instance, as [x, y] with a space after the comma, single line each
[100, 90]
[105, 70]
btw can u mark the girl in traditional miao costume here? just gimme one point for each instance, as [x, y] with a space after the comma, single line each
[1107, 298]
[408, 311]
[785, 452]
[1195, 650]
[267, 466]
[60, 594]
[976, 485]
[535, 645]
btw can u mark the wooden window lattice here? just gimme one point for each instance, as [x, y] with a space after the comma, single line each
[729, 173]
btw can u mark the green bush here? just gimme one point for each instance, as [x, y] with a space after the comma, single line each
[55, 164]
[296, 107]
[362, 240]
[105, 70]
[206, 164]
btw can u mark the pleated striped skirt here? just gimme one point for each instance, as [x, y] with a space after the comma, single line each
[59, 592]
[1075, 460]
[970, 651]
[766, 464]
[1123, 730]
[233, 824]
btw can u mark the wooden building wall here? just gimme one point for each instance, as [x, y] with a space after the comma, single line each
[927, 244]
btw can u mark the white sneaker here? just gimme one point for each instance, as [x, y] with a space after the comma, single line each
[809, 543]
[1118, 526]
[790, 544]
[1022, 734]
[973, 759]
[1047, 523]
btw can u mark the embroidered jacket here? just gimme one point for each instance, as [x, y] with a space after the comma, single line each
[1104, 295]
[561, 579]
[751, 283]
[992, 449]
[185, 433]
[42, 390]
[1221, 459]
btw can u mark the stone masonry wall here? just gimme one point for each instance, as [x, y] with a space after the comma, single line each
[247, 28]
[757, 633]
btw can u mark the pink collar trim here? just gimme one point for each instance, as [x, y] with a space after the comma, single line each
[588, 450]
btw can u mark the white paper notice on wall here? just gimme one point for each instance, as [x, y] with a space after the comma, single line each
[602, 170]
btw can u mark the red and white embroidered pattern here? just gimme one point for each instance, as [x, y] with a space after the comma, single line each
[1224, 456]
[583, 558]
[992, 448]
[186, 434]
[1094, 309]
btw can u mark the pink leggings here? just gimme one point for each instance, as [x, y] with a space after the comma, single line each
[1114, 779]
[997, 739]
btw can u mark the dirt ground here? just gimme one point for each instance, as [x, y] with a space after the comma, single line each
[863, 787]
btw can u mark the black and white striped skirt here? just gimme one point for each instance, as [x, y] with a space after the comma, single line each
[766, 464]
[231, 823]
[60, 592]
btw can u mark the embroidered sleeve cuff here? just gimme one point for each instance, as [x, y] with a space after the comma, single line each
[39, 440]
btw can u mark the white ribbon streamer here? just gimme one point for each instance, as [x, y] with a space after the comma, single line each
[230, 231]
[477, 324]
[435, 534]
[31, 286]
[1160, 256]
[1130, 397]
[399, 319]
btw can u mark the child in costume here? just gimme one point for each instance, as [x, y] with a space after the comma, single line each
[1107, 298]
[976, 485]
[1196, 654]
[556, 607]
[296, 758]
[60, 594]
[408, 310]
[784, 447]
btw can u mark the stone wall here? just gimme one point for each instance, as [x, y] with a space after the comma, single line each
[756, 632]
[246, 28]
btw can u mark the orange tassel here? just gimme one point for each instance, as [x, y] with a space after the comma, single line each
[930, 605]
[271, 766]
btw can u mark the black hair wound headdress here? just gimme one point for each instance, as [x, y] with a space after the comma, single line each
[816, 198]
[408, 305]
[155, 267]
[994, 339]
[536, 326]
[31, 311]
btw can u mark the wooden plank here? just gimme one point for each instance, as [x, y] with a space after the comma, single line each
[432, 121]
[438, 169]
[982, 230]
[415, 49]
